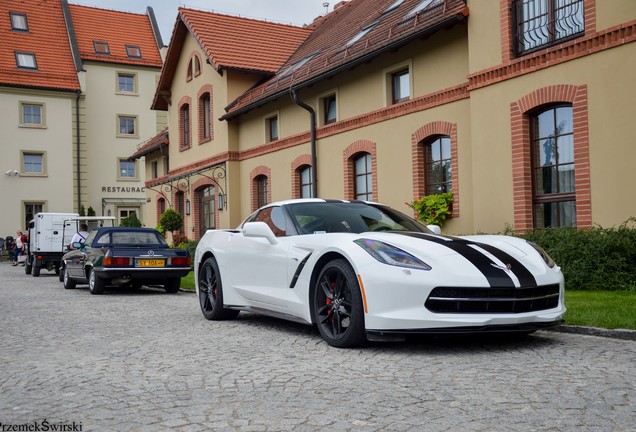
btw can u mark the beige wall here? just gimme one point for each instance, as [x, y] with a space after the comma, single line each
[614, 12]
[102, 145]
[54, 189]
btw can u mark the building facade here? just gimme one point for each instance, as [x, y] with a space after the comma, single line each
[76, 85]
[520, 108]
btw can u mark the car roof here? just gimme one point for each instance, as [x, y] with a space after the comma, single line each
[313, 200]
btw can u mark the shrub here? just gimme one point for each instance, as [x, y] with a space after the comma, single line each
[594, 259]
[130, 221]
[171, 221]
[433, 209]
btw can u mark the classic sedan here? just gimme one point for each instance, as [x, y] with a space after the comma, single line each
[124, 257]
[363, 271]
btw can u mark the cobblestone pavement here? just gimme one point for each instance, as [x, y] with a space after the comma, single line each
[144, 361]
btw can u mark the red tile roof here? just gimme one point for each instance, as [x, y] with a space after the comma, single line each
[118, 29]
[46, 38]
[230, 42]
[240, 43]
[152, 145]
[330, 48]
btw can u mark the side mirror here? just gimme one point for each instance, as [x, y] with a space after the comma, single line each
[77, 245]
[259, 230]
[435, 228]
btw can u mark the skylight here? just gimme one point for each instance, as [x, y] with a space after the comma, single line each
[420, 7]
[393, 6]
[362, 33]
[19, 21]
[297, 65]
[133, 51]
[25, 60]
[101, 47]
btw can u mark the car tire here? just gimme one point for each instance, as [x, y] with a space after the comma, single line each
[28, 267]
[337, 304]
[95, 284]
[172, 285]
[211, 292]
[60, 274]
[36, 270]
[66, 279]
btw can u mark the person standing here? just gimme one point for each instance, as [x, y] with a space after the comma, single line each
[20, 245]
[80, 236]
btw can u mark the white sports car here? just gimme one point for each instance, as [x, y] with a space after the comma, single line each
[363, 271]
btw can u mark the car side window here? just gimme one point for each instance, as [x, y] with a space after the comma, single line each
[104, 239]
[90, 238]
[275, 219]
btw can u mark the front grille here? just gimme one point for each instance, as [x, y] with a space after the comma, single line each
[492, 300]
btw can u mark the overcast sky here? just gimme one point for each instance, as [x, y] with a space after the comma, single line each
[296, 12]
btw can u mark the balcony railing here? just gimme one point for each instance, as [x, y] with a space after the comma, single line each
[541, 23]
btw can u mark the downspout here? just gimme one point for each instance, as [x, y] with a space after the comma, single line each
[77, 144]
[312, 140]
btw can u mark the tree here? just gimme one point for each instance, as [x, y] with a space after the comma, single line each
[130, 221]
[171, 221]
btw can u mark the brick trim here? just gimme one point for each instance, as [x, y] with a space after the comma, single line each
[349, 155]
[185, 100]
[206, 89]
[418, 141]
[175, 193]
[297, 165]
[521, 151]
[260, 171]
[158, 206]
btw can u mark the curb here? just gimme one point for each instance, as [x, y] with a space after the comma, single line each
[595, 331]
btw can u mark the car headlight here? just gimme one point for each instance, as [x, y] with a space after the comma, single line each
[546, 258]
[391, 255]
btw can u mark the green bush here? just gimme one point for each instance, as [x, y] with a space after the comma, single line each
[433, 209]
[594, 259]
[171, 221]
[130, 221]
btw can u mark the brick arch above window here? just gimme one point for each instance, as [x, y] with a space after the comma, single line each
[298, 165]
[418, 141]
[196, 204]
[254, 174]
[520, 112]
[349, 155]
[194, 65]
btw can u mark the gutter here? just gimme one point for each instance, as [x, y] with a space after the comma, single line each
[312, 140]
[78, 93]
[346, 66]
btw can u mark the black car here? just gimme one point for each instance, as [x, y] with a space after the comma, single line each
[129, 257]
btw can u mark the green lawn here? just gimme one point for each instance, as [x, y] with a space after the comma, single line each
[604, 309]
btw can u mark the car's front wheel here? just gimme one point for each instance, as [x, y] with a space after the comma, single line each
[338, 306]
[211, 292]
[66, 279]
[95, 284]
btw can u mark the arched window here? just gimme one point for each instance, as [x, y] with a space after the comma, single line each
[184, 120]
[262, 185]
[552, 146]
[363, 170]
[205, 117]
[305, 181]
[438, 165]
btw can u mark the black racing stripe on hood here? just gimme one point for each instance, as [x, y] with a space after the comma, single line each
[526, 279]
[497, 278]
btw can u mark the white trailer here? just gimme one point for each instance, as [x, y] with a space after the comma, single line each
[48, 239]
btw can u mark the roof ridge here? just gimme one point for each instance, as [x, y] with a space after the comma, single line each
[243, 17]
[107, 10]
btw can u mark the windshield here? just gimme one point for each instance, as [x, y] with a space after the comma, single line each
[353, 217]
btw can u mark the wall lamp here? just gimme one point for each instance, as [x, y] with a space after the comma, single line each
[221, 202]
[187, 207]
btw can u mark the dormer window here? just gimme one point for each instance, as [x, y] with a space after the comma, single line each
[25, 60]
[393, 6]
[297, 65]
[420, 7]
[19, 21]
[101, 47]
[133, 51]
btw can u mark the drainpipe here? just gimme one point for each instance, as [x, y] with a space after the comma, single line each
[312, 139]
[77, 144]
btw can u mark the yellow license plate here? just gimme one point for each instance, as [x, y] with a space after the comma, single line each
[151, 263]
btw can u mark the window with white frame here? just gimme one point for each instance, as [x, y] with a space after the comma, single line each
[31, 114]
[126, 83]
[363, 177]
[127, 169]
[33, 163]
[126, 126]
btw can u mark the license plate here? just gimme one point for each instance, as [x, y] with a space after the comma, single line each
[151, 263]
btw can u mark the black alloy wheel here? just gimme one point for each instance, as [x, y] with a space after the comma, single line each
[338, 306]
[211, 292]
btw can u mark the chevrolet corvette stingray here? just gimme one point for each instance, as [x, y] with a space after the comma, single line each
[363, 271]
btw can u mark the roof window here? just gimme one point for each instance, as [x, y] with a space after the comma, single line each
[19, 21]
[101, 47]
[420, 7]
[25, 60]
[300, 63]
[393, 6]
[362, 33]
[133, 51]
